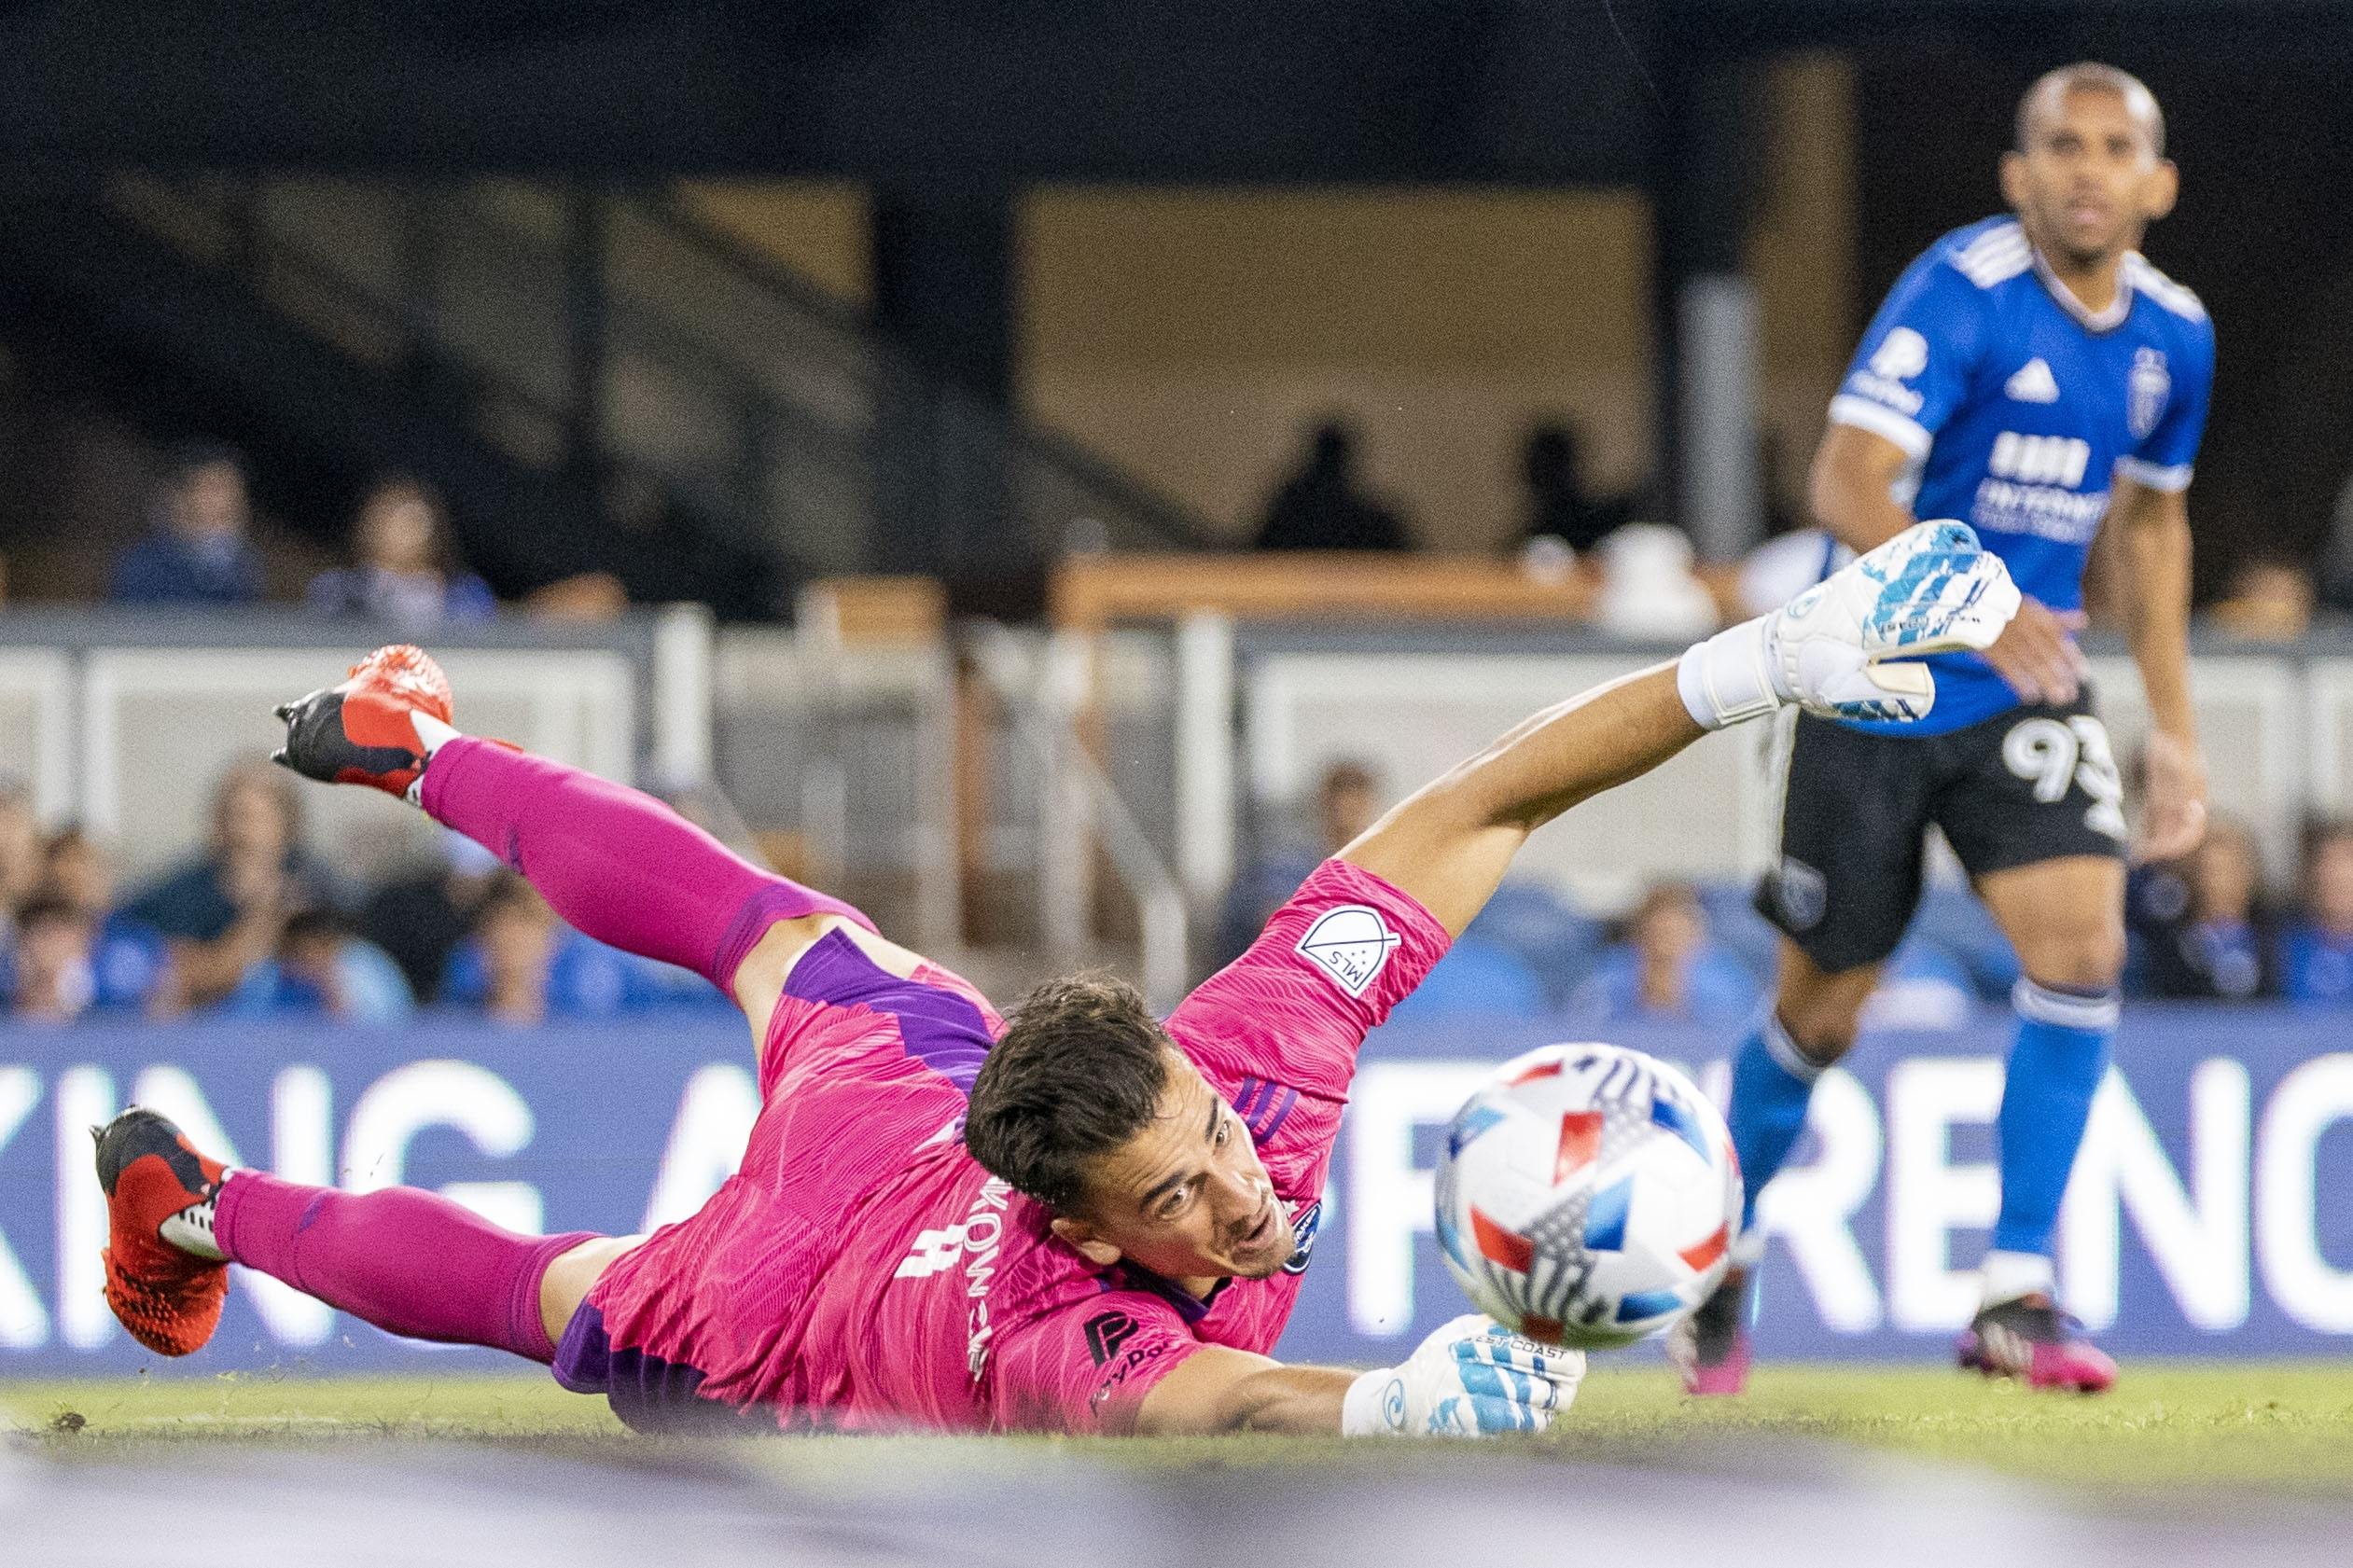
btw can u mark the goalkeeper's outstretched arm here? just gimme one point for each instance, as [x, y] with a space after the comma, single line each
[1847, 647]
[1471, 1378]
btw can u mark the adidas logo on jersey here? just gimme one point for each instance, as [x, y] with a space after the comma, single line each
[2033, 383]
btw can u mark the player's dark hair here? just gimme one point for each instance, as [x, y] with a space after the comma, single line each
[2090, 76]
[1080, 1072]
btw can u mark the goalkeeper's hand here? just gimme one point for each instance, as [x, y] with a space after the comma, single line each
[1472, 1377]
[1849, 646]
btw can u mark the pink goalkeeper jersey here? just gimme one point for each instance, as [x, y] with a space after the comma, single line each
[862, 1271]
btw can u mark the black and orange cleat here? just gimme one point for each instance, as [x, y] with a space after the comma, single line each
[364, 731]
[165, 1278]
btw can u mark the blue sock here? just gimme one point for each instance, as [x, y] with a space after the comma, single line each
[2055, 1070]
[1771, 1083]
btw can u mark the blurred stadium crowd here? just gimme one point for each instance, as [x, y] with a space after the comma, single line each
[255, 926]
[2204, 928]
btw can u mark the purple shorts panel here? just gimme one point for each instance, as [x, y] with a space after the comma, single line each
[937, 1026]
[648, 1394]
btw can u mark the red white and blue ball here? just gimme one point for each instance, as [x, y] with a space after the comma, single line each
[1588, 1195]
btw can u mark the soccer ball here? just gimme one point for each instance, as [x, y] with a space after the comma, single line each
[1587, 1195]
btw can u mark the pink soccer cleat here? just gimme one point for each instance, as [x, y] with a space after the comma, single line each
[2030, 1338]
[1710, 1348]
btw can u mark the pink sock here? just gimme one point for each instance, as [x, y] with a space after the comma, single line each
[410, 1262]
[617, 864]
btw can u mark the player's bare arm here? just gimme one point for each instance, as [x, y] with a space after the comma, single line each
[2152, 541]
[1470, 1377]
[1449, 843]
[1853, 485]
[1219, 1389]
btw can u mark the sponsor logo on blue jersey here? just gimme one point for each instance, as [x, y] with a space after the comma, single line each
[2019, 407]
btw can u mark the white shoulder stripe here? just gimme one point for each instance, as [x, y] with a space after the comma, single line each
[2174, 296]
[1994, 238]
[1994, 258]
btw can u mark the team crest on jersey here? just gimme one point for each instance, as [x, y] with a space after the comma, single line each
[1351, 945]
[1304, 1225]
[2145, 394]
[1801, 893]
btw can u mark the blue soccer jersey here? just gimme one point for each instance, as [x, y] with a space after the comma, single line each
[2018, 408]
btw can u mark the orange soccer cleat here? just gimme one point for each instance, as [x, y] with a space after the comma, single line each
[165, 1278]
[364, 731]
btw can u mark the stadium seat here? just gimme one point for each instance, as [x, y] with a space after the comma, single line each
[1531, 922]
[1476, 976]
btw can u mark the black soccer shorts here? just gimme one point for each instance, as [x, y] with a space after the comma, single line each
[2031, 785]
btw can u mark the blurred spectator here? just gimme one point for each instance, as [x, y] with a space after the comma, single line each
[1648, 590]
[1922, 988]
[1668, 969]
[224, 911]
[1559, 504]
[197, 552]
[1323, 506]
[1785, 566]
[2199, 923]
[20, 853]
[2336, 553]
[2271, 600]
[1781, 519]
[522, 965]
[405, 570]
[1528, 920]
[420, 920]
[1348, 799]
[129, 962]
[2317, 960]
[598, 539]
[49, 979]
[1476, 976]
[322, 969]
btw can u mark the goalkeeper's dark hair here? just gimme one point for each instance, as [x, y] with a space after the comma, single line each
[1080, 1072]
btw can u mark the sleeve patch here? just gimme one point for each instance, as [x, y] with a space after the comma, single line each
[1351, 945]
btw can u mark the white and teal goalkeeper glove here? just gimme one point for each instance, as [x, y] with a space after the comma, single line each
[1473, 1378]
[1850, 647]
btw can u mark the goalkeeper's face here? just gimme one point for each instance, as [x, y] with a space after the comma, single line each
[2087, 179]
[1185, 1196]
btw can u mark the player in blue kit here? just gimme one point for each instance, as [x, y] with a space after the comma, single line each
[2036, 378]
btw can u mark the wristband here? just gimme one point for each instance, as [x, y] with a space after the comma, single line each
[1729, 677]
[1365, 1408]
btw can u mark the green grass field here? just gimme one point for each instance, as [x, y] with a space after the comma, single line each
[2166, 1428]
